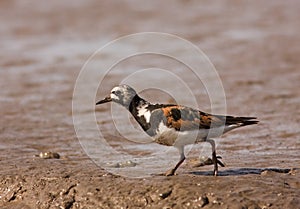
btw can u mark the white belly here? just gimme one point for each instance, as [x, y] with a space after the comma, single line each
[171, 137]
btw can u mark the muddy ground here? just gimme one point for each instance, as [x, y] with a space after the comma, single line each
[254, 46]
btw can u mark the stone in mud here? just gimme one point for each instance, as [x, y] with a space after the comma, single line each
[49, 155]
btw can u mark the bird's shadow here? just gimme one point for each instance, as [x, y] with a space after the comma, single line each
[242, 171]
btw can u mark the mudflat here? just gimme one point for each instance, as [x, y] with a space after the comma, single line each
[254, 46]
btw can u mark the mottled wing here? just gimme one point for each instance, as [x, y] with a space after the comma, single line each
[184, 118]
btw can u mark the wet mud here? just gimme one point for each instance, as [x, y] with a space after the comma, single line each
[254, 46]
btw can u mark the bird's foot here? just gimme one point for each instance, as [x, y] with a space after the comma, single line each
[220, 162]
[208, 161]
[170, 172]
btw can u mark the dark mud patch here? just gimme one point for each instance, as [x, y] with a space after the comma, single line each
[245, 171]
[255, 48]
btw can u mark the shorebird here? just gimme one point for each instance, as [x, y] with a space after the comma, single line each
[176, 125]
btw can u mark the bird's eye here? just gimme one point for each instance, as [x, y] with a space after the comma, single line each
[116, 92]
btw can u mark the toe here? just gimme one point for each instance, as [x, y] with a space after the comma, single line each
[170, 173]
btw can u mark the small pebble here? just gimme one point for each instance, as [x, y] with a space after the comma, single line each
[165, 194]
[202, 161]
[202, 201]
[205, 160]
[127, 163]
[49, 155]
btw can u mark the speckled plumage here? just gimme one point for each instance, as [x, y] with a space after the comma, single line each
[176, 125]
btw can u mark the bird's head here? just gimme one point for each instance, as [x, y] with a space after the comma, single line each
[122, 94]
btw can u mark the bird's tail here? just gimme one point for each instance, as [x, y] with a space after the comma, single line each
[240, 121]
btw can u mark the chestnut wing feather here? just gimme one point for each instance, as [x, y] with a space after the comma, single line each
[184, 118]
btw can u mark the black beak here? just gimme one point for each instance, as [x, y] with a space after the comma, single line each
[106, 99]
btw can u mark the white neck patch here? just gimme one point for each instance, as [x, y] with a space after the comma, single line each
[142, 111]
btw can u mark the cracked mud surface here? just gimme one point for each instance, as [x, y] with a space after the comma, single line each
[255, 48]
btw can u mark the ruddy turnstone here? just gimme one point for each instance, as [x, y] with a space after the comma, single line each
[176, 125]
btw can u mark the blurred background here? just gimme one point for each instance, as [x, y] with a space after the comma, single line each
[254, 46]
